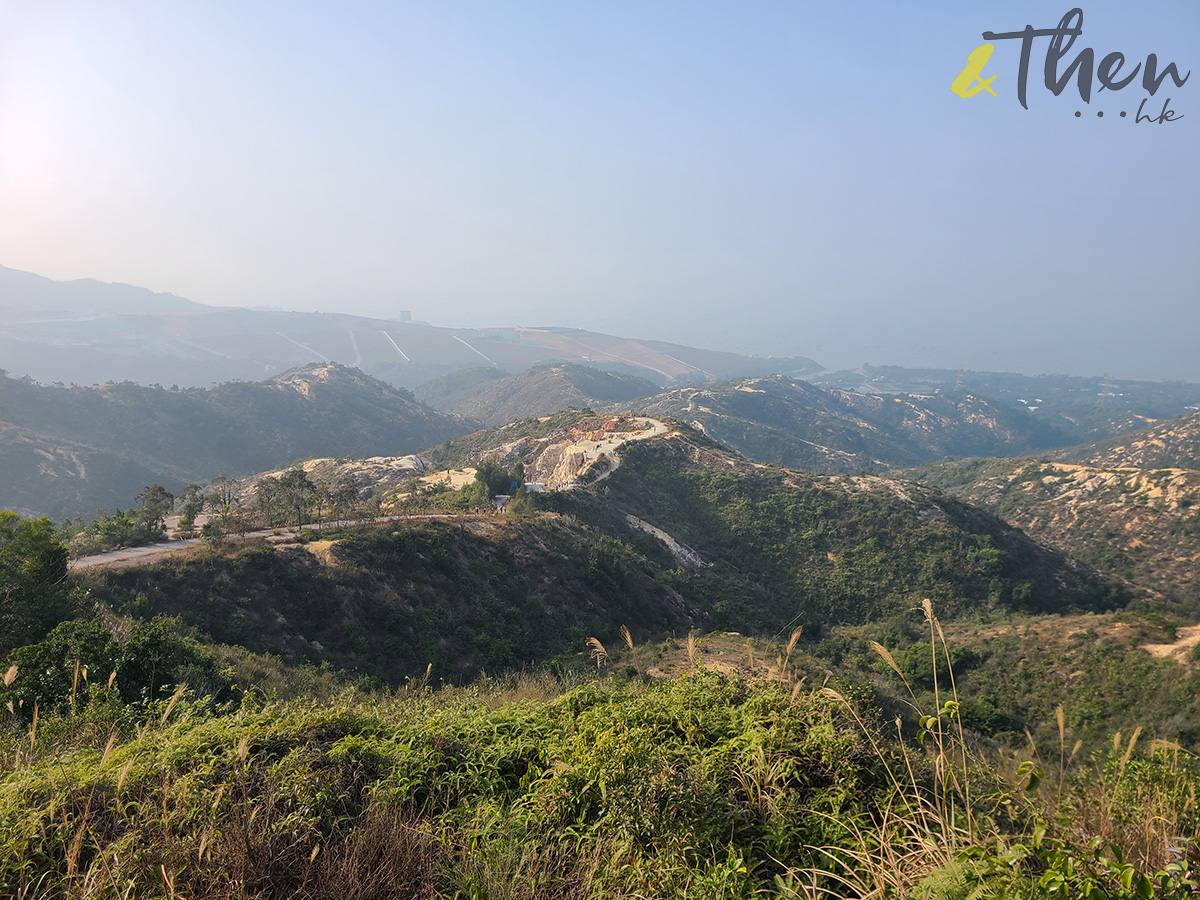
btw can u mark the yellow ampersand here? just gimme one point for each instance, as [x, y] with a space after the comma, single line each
[969, 83]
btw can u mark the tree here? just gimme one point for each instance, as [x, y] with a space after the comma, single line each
[344, 498]
[269, 494]
[34, 593]
[298, 491]
[156, 503]
[225, 497]
[190, 503]
[321, 499]
[494, 477]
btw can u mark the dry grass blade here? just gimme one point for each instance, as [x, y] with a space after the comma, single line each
[691, 647]
[174, 701]
[791, 644]
[112, 742]
[599, 654]
[124, 773]
[890, 660]
[887, 656]
[1133, 739]
[10, 676]
[628, 638]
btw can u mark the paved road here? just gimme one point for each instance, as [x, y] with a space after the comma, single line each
[128, 556]
[154, 552]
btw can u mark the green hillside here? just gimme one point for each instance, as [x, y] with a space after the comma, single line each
[771, 547]
[141, 434]
[799, 425]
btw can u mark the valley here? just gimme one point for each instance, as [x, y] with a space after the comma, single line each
[516, 555]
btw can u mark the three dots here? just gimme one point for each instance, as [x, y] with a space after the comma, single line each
[1099, 114]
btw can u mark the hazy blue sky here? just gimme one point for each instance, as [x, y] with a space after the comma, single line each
[779, 178]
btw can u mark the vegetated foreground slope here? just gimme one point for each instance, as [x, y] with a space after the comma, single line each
[235, 428]
[478, 593]
[799, 425]
[538, 391]
[701, 786]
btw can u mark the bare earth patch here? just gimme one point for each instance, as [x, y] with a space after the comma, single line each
[1188, 638]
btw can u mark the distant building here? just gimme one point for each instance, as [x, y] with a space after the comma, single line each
[535, 487]
[501, 501]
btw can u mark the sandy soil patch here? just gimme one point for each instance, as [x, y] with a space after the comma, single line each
[1188, 638]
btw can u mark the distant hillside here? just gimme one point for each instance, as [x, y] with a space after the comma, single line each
[43, 475]
[448, 391]
[88, 332]
[1172, 444]
[193, 435]
[792, 423]
[1141, 524]
[26, 294]
[1081, 408]
[538, 391]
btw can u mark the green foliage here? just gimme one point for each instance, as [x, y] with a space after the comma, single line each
[831, 551]
[700, 787]
[494, 477]
[395, 600]
[34, 593]
[145, 664]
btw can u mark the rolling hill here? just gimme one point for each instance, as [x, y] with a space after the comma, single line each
[88, 332]
[681, 534]
[537, 391]
[69, 449]
[1174, 444]
[1126, 505]
[796, 424]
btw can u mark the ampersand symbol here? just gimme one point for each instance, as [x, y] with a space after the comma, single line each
[969, 83]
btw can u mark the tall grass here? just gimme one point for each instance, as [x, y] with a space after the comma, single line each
[1124, 828]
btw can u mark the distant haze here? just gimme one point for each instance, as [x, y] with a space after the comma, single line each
[785, 178]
